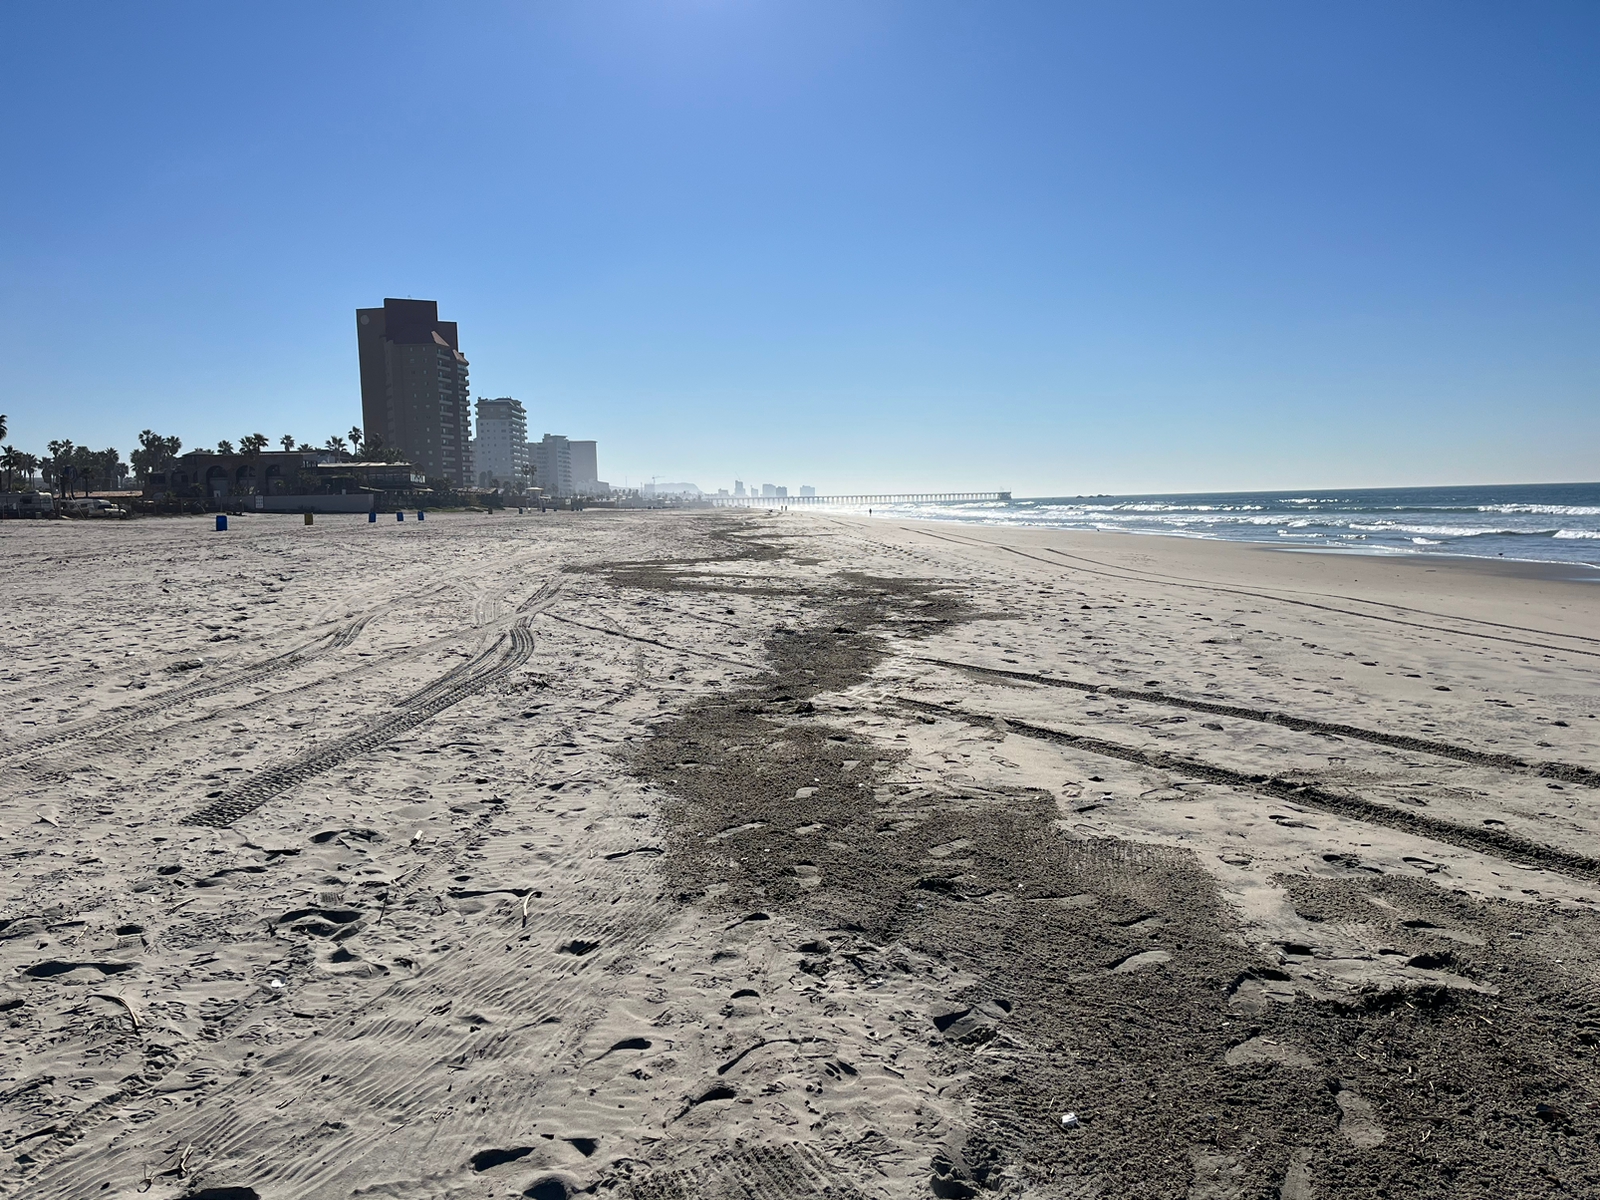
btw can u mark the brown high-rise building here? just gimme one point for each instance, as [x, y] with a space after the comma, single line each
[414, 394]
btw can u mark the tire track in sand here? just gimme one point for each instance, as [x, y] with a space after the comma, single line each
[509, 652]
[1492, 842]
[1566, 772]
[1128, 575]
[328, 643]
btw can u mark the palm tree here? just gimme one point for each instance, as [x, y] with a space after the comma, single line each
[61, 462]
[154, 453]
[85, 467]
[9, 464]
[287, 442]
[4, 428]
[354, 435]
[251, 446]
[27, 464]
[335, 444]
[112, 468]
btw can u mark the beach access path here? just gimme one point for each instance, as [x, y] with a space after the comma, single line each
[658, 855]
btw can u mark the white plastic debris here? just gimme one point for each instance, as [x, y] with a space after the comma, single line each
[1069, 1120]
[276, 983]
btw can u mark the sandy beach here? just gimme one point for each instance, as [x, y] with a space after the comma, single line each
[731, 854]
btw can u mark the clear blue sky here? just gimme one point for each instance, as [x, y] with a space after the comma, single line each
[1051, 247]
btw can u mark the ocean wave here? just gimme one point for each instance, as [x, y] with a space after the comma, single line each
[1228, 520]
[1487, 523]
[1449, 531]
[1548, 510]
[1149, 507]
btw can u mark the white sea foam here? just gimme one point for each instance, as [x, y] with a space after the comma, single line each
[1443, 530]
[1416, 522]
[1549, 510]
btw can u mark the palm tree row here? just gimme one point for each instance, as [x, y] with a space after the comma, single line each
[70, 467]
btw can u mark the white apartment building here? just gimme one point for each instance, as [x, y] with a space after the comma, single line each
[500, 451]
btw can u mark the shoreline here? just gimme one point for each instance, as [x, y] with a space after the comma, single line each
[1578, 570]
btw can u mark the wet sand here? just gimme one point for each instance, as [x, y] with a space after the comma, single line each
[676, 855]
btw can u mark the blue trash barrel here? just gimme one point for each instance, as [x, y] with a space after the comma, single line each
[399, 516]
[372, 516]
[420, 514]
[222, 522]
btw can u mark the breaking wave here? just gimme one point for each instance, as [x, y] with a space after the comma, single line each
[1491, 522]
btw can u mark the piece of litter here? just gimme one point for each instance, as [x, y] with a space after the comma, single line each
[1069, 1120]
[276, 983]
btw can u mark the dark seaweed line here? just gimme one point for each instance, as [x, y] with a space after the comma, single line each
[278, 779]
[1481, 841]
[1566, 772]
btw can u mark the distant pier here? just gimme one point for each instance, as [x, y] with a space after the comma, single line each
[857, 501]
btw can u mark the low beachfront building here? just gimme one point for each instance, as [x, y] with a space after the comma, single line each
[211, 476]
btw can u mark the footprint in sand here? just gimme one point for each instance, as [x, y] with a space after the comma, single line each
[1357, 1122]
[1267, 1050]
[1139, 962]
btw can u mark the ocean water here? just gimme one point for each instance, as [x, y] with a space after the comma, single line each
[1558, 522]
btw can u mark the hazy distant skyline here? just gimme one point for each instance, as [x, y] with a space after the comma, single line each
[1043, 247]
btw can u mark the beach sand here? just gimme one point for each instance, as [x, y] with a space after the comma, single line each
[732, 854]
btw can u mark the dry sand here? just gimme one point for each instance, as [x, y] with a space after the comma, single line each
[671, 855]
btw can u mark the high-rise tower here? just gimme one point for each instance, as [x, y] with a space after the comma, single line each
[500, 451]
[414, 393]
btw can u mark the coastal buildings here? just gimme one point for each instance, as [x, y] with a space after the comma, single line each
[500, 452]
[203, 474]
[414, 395]
[586, 479]
[552, 464]
[563, 467]
[415, 399]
